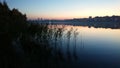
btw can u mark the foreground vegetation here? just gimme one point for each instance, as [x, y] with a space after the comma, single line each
[25, 44]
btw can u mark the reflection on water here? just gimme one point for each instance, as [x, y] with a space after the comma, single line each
[87, 47]
[62, 46]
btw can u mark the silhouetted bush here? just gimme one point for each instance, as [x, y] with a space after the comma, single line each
[24, 44]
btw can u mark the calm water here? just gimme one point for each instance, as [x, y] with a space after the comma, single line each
[90, 47]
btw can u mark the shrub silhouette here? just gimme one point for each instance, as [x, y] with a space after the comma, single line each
[28, 45]
[23, 44]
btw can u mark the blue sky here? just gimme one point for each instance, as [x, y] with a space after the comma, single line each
[65, 9]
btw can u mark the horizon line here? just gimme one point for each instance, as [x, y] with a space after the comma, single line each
[67, 18]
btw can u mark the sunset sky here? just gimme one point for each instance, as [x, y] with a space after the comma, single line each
[66, 9]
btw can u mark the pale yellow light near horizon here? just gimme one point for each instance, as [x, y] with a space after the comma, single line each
[78, 13]
[85, 13]
[97, 32]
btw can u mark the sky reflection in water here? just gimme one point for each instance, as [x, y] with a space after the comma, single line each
[96, 47]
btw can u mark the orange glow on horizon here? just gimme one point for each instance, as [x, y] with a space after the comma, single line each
[84, 13]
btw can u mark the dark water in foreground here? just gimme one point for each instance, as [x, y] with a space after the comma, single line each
[85, 47]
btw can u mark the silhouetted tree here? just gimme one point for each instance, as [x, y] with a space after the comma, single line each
[22, 44]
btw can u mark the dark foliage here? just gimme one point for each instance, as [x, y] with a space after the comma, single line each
[23, 44]
[97, 22]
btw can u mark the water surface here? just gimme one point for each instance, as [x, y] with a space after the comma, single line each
[90, 47]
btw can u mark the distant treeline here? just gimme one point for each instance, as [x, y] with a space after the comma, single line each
[98, 22]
